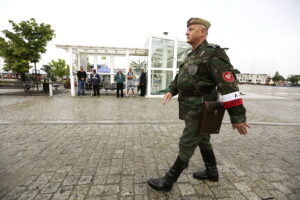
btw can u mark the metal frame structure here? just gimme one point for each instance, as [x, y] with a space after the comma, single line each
[75, 51]
[174, 69]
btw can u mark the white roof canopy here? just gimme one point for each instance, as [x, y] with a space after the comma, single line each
[105, 50]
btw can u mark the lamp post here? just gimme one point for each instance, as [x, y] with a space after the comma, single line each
[36, 82]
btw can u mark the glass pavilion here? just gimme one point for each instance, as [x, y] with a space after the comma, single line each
[161, 59]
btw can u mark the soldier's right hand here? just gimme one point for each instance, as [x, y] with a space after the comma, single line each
[241, 127]
[167, 97]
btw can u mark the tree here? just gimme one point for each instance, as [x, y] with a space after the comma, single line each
[268, 80]
[59, 68]
[47, 69]
[277, 77]
[13, 61]
[294, 79]
[25, 44]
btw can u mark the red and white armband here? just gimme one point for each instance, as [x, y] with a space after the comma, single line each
[232, 99]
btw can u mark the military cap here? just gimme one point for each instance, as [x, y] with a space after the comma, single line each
[196, 20]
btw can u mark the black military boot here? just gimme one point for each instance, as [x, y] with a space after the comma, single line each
[166, 183]
[211, 171]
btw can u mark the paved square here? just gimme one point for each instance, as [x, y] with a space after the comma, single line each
[106, 148]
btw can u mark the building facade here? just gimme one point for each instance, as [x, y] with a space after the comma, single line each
[252, 78]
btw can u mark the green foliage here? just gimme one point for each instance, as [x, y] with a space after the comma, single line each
[268, 80]
[294, 79]
[58, 68]
[277, 77]
[47, 69]
[24, 44]
[136, 66]
[12, 59]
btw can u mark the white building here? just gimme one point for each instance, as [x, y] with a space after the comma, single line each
[252, 78]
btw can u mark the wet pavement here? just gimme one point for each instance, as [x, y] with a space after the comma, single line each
[105, 147]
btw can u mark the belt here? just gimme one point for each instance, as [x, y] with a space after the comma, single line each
[190, 94]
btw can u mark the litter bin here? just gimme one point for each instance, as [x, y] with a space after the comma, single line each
[46, 88]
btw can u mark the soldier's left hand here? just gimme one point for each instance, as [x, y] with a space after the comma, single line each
[241, 127]
[167, 97]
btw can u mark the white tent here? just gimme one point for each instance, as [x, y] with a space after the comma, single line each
[38, 71]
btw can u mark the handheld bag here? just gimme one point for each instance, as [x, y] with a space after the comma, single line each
[211, 117]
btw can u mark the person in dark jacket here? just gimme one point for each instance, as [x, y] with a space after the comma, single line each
[95, 79]
[205, 72]
[120, 79]
[143, 82]
[81, 75]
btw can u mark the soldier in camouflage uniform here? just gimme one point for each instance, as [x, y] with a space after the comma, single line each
[205, 72]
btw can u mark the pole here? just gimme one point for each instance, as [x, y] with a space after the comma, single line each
[36, 82]
[50, 88]
[71, 72]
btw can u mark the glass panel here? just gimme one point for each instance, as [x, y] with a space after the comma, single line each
[105, 78]
[136, 63]
[162, 53]
[90, 63]
[84, 62]
[182, 49]
[103, 64]
[120, 63]
[160, 81]
[100, 63]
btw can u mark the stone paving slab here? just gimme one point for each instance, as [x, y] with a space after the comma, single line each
[33, 109]
[68, 160]
[114, 162]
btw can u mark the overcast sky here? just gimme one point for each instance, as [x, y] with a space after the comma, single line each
[263, 35]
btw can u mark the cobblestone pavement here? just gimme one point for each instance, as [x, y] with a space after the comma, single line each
[106, 148]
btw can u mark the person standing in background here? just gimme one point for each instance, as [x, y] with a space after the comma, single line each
[81, 75]
[130, 82]
[143, 82]
[119, 79]
[95, 79]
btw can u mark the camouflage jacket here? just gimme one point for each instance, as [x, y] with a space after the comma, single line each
[205, 72]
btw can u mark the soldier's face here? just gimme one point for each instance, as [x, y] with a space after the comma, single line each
[194, 33]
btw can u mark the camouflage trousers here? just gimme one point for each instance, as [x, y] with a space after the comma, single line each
[190, 139]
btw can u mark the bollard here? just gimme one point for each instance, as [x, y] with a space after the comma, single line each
[50, 89]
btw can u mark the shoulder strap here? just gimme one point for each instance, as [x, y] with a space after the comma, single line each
[213, 45]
